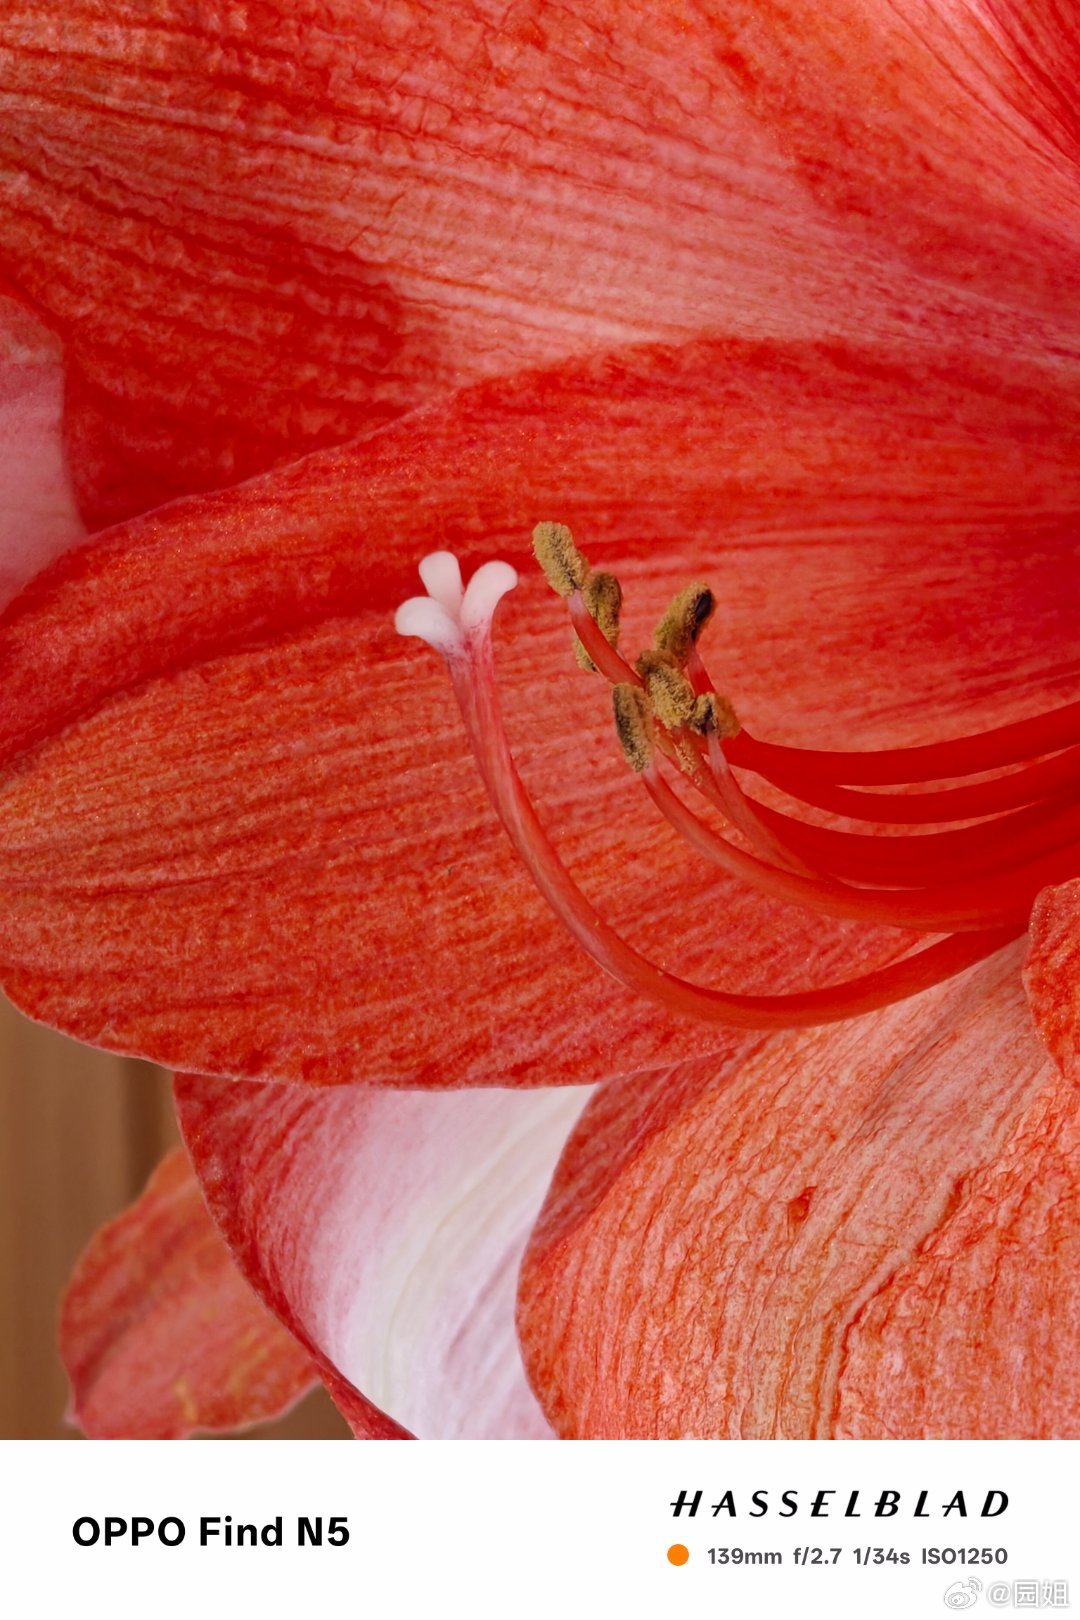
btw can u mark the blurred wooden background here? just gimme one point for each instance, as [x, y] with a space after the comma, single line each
[80, 1132]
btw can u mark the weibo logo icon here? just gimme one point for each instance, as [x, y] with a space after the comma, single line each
[962, 1594]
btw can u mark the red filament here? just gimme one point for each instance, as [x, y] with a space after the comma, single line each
[979, 880]
[474, 684]
[1013, 744]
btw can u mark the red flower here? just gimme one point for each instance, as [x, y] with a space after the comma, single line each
[239, 831]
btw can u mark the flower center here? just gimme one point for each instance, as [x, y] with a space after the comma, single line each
[972, 884]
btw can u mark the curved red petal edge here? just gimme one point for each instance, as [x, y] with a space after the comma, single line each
[385, 1231]
[160, 1334]
[1052, 973]
[344, 213]
[866, 1232]
[241, 833]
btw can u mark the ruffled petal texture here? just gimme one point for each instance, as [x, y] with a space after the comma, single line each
[239, 829]
[261, 232]
[866, 1232]
[385, 1230]
[160, 1334]
[38, 516]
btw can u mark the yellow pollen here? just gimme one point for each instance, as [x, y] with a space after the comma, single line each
[714, 713]
[685, 619]
[633, 725]
[602, 595]
[670, 693]
[564, 567]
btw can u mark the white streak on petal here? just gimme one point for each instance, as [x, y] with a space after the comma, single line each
[421, 1248]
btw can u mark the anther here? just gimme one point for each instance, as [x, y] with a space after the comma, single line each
[670, 693]
[564, 567]
[714, 716]
[602, 595]
[633, 725]
[686, 617]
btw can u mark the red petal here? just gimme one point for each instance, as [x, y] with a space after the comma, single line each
[258, 233]
[948, 131]
[160, 1334]
[385, 1230]
[38, 519]
[1052, 973]
[999, 1283]
[253, 841]
[766, 1247]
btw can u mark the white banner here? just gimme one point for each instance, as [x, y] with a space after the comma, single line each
[888, 1529]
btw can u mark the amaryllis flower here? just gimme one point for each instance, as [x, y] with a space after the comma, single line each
[782, 299]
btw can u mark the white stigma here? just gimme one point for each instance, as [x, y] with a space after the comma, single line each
[448, 616]
[441, 574]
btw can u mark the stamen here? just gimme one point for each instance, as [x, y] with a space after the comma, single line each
[895, 982]
[911, 860]
[738, 809]
[964, 803]
[565, 569]
[611, 664]
[602, 595]
[686, 617]
[633, 725]
[899, 860]
[713, 716]
[964, 852]
[993, 750]
[670, 693]
[966, 907]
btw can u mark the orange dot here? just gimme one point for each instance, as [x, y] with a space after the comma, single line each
[678, 1554]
